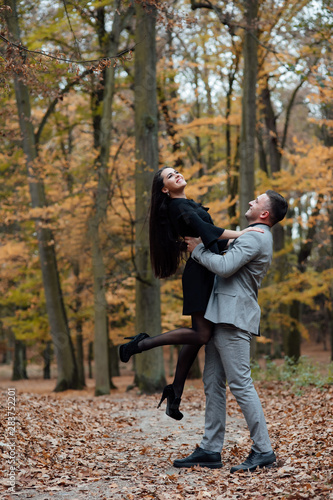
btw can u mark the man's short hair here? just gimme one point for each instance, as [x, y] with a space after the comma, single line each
[278, 206]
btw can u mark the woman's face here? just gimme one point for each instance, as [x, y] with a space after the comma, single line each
[174, 182]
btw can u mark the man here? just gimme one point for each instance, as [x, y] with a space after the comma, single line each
[233, 307]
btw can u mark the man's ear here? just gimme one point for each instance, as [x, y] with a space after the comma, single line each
[264, 215]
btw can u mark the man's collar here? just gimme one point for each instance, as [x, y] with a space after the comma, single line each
[258, 224]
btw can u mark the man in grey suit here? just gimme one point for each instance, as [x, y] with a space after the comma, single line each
[233, 307]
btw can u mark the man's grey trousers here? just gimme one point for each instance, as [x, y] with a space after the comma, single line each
[228, 359]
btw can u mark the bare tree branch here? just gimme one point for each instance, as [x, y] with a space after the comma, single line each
[225, 18]
[76, 43]
[53, 104]
[63, 59]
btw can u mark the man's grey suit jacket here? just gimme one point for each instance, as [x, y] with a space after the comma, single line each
[239, 273]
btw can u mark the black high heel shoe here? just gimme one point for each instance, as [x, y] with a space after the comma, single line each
[172, 408]
[127, 350]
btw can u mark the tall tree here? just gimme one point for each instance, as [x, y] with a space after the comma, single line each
[102, 135]
[248, 126]
[67, 370]
[232, 162]
[167, 89]
[149, 365]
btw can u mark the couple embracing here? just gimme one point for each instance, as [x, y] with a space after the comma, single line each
[225, 317]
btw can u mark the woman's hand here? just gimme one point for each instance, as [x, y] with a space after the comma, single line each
[192, 243]
[230, 234]
[247, 229]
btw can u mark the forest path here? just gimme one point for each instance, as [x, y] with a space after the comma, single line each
[75, 446]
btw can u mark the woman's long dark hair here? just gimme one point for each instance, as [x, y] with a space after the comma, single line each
[164, 245]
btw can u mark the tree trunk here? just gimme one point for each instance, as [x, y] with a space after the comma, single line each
[248, 127]
[90, 359]
[278, 272]
[101, 342]
[210, 112]
[292, 340]
[67, 371]
[197, 114]
[292, 343]
[232, 165]
[274, 146]
[330, 326]
[149, 365]
[168, 111]
[103, 140]
[114, 361]
[80, 360]
[77, 305]
[47, 357]
[20, 361]
[262, 153]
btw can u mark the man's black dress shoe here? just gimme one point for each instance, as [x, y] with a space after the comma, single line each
[203, 458]
[255, 460]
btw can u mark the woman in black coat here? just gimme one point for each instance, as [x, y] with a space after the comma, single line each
[172, 217]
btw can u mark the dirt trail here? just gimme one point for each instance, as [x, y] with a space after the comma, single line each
[75, 446]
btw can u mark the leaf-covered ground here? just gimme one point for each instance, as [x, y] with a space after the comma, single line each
[76, 446]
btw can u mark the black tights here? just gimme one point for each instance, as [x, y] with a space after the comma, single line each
[191, 339]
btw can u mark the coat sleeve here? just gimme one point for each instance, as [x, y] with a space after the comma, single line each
[244, 249]
[207, 231]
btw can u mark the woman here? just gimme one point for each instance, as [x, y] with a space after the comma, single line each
[172, 217]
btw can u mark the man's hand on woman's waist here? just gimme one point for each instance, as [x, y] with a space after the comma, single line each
[192, 242]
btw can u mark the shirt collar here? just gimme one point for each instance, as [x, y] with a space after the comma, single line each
[259, 224]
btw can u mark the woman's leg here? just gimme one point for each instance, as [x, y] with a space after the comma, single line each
[186, 358]
[198, 335]
[203, 328]
[174, 391]
[191, 338]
